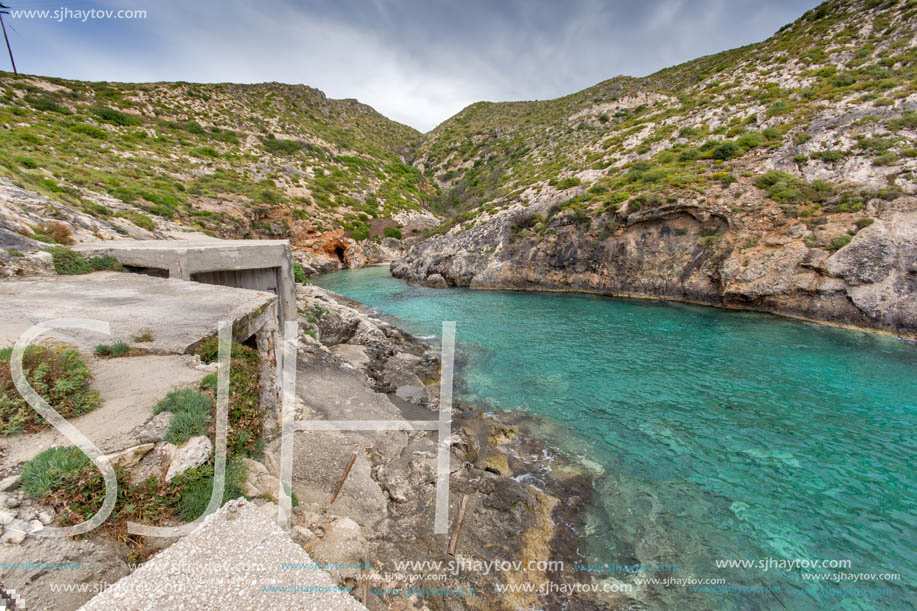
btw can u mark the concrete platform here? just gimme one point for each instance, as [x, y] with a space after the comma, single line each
[234, 560]
[255, 264]
[178, 313]
[129, 388]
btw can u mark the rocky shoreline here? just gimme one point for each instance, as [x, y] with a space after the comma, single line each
[696, 252]
[512, 515]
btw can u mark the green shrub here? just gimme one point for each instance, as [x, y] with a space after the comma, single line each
[246, 418]
[360, 232]
[75, 488]
[105, 262]
[907, 120]
[191, 412]
[69, 263]
[886, 158]
[209, 382]
[709, 237]
[145, 335]
[725, 151]
[750, 140]
[204, 151]
[193, 127]
[838, 243]
[864, 222]
[59, 375]
[299, 274]
[646, 200]
[25, 162]
[725, 178]
[392, 232]
[15, 252]
[581, 219]
[786, 188]
[46, 104]
[830, 156]
[140, 220]
[89, 130]
[196, 486]
[116, 117]
[568, 183]
[117, 349]
[50, 469]
[280, 147]
[619, 196]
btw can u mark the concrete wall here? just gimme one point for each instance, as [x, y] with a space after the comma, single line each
[262, 265]
[264, 279]
[185, 259]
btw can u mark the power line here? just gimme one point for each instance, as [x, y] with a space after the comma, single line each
[4, 10]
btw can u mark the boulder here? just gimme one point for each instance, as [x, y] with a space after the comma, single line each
[9, 483]
[15, 532]
[130, 457]
[193, 453]
[866, 260]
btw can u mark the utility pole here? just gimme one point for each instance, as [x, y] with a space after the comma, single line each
[3, 12]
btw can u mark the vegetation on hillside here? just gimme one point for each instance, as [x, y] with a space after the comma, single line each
[826, 93]
[231, 160]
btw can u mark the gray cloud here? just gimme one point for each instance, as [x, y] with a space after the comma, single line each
[416, 61]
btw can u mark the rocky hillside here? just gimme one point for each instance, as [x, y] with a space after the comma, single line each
[778, 176]
[242, 161]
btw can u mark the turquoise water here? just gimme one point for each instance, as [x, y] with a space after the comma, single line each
[719, 435]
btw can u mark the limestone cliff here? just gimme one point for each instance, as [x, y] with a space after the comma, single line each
[779, 176]
[692, 252]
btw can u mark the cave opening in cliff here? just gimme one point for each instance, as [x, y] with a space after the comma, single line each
[339, 253]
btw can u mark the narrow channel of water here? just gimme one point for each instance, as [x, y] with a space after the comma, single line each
[719, 435]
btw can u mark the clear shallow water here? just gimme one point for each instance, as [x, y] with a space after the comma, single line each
[720, 435]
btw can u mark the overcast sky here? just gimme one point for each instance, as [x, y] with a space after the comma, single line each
[416, 61]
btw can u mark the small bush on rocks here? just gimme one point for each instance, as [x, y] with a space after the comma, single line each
[191, 411]
[59, 375]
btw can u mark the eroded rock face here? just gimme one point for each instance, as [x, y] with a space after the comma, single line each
[868, 259]
[701, 252]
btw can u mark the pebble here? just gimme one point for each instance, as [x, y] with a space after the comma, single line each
[15, 532]
[9, 483]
